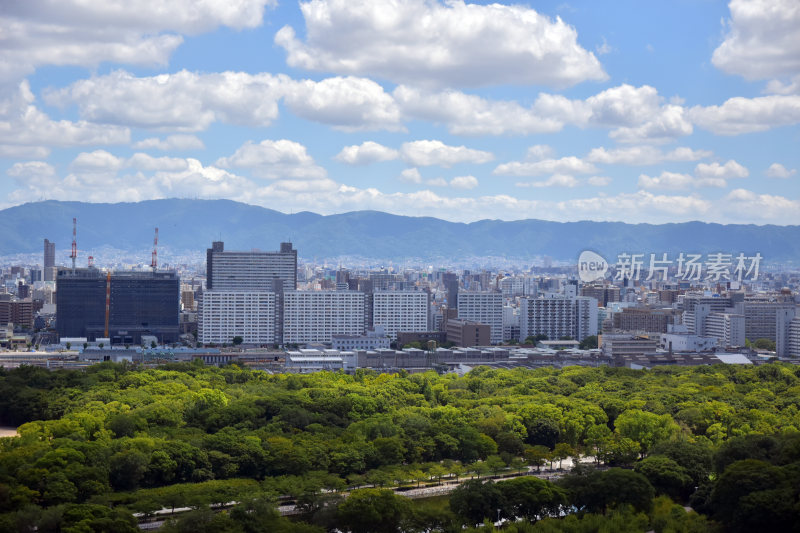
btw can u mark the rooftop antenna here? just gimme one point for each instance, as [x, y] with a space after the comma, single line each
[154, 263]
[74, 254]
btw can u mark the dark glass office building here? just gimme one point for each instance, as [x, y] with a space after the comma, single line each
[141, 303]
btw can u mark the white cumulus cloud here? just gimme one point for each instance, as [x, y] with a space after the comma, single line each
[425, 42]
[366, 153]
[670, 181]
[432, 152]
[776, 170]
[140, 32]
[746, 115]
[763, 40]
[280, 159]
[171, 142]
[464, 182]
[729, 170]
[564, 165]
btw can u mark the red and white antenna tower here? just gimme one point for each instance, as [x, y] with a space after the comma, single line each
[91, 261]
[74, 254]
[154, 263]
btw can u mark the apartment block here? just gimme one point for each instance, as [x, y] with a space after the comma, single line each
[483, 307]
[398, 311]
[224, 315]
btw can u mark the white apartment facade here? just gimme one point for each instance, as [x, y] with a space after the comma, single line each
[224, 315]
[315, 316]
[400, 311]
[557, 317]
[483, 307]
[727, 328]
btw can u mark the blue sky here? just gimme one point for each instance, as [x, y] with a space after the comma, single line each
[631, 111]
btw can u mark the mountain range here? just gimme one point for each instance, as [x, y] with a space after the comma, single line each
[189, 225]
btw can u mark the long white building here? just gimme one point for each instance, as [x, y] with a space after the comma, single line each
[483, 307]
[557, 317]
[400, 311]
[224, 315]
[315, 316]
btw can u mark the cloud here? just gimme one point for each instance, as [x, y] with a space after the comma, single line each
[103, 162]
[437, 182]
[274, 160]
[32, 173]
[634, 114]
[75, 32]
[9, 151]
[411, 175]
[427, 43]
[638, 114]
[746, 115]
[467, 114]
[143, 161]
[565, 165]
[172, 142]
[643, 155]
[464, 182]
[670, 181]
[183, 101]
[98, 161]
[189, 101]
[776, 170]
[729, 170]
[764, 207]
[23, 125]
[763, 39]
[556, 180]
[347, 103]
[366, 153]
[427, 153]
[537, 152]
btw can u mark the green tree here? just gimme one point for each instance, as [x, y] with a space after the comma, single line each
[562, 451]
[666, 476]
[373, 510]
[537, 456]
[237, 340]
[588, 343]
[645, 428]
[764, 344]
[475, 501]
[530, 498]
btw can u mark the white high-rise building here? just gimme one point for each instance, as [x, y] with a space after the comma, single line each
[557, 317]
[400, 311]
[727, 328]
[315, 316]
[794, 338]
[783, 334]
[224, 315]
[483, 307]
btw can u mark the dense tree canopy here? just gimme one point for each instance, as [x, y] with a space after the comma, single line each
[118, 436]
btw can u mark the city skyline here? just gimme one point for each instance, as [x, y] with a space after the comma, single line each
[556, 111]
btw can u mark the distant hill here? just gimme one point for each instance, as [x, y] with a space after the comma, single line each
[191, 225]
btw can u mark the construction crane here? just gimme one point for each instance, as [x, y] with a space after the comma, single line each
[154, 262]
[74, 254]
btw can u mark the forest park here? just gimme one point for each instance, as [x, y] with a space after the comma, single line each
[670, 449]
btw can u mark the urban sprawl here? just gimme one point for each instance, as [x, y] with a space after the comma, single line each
[265, 310]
